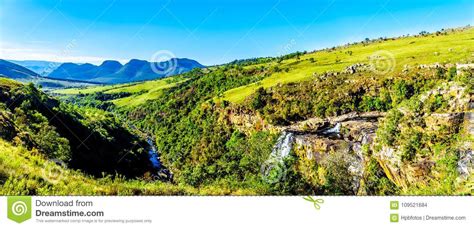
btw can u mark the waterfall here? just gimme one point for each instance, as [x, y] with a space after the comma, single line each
[273, 169]
[335, 130]
[466, 163]
[283, 145]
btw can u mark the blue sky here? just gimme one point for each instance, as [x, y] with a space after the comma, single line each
[210, 31]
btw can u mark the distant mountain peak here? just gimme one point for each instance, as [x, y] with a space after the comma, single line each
[112, 71]
[15, 71]
[137, 61]
[38, 66]
[110, 62]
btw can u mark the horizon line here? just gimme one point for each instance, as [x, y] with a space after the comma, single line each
[101, 60]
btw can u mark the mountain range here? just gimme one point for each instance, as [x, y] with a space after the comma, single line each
[14, 71]
[112, 72]
[38, 66]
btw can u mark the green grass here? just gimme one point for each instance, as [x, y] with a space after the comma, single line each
[455, 47]
[87, 90]
[141, 92]
[9, 83]
[28, 172]
[46, 83]
[151, 90]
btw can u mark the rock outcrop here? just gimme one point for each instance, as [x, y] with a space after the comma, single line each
[344, 137]
[404, 164]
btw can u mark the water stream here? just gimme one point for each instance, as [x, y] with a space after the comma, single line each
[162, 173]
[153, 155]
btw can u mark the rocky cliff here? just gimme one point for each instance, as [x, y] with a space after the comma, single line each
[416, 146]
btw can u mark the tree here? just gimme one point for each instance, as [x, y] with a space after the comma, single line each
[259, 99]
[424, 33]
[401, 91]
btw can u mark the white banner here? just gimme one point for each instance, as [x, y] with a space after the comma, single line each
[226, 211]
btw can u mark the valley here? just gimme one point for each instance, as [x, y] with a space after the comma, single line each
[388, 116]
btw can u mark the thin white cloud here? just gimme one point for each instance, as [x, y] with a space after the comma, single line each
[16, 52]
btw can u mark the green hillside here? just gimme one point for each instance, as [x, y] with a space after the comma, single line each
[139, 92]
[83, 138]
[451, 48]
[28, 172]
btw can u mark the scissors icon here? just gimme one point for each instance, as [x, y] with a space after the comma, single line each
[315, 202]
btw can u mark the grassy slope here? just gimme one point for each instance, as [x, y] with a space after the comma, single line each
[141, 91]
[9, 83]
[454, 47]
[51, 84]
[28, 172]
[25, 172]
[151, 90]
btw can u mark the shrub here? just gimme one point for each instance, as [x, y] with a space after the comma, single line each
[376, 182]
[388, 130]
[338, 178]
[401, 90]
